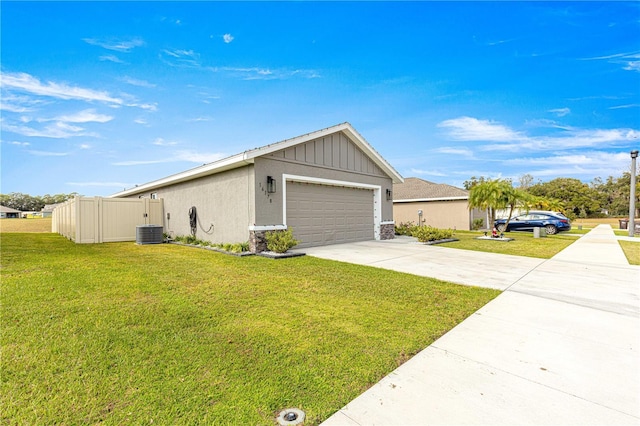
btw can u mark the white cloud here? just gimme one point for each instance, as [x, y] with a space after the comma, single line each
[632, 66]
[17, 143]
[628, 60]
[197, 119]
[111, 58]
[197, 157]
[47, 153]
[140, 121]
[228, 38]
[257, 73]
[136, 82]
[455, 151]
[162, 142]
[591, 158]
[86, 116]
[55, 131]
[117, 45]
[560, 112]
[148, 107]
[180, 58]
[85, 146]
[625, 106]
[30, 84]
[14, 108]
[472, 129]
[187, 156]
[427, 172]
[506, 139]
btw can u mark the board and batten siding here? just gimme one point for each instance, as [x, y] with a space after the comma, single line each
[334, 151]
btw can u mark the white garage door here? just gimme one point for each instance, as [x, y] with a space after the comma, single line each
[322, 214]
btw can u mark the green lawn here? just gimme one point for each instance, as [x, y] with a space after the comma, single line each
[523, 244]
[631, 249]
[123, 333]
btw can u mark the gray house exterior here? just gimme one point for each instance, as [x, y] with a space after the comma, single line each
[329, 187]
[8, 213]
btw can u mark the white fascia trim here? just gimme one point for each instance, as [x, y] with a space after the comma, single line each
[377, 195]
[416, 200]
[267, 227]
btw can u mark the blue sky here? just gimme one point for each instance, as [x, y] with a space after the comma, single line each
[100, 96]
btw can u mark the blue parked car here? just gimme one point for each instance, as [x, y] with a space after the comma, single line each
[553, 222]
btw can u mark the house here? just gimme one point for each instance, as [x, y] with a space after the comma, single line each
[47, 210]
[435, 204]
[328, 186]
[9, 213]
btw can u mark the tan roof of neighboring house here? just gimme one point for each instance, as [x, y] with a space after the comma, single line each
[415, 189]
[4, 209]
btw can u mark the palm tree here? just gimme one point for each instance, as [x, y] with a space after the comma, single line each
[495, 195]
[488, 195]
[514, 198]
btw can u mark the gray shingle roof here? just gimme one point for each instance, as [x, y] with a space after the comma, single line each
[419, 189]
[5, 209]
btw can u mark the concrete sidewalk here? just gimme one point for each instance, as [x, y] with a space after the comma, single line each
[561, 344]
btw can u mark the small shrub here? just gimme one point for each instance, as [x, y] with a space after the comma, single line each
[280, 241]
[429, 233]
[477, 224]
[190, 239]
[404, 228]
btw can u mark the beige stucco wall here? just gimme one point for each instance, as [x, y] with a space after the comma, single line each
[440, 214]
[225, 200]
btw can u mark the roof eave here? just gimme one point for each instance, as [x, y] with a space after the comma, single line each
[229, 163]
[416, 200]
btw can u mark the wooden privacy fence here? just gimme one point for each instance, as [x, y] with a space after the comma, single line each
[87, 220]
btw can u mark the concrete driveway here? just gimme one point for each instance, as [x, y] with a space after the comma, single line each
[405, 254]
[561, 344]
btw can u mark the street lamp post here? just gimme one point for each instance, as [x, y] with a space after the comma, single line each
[632, 194]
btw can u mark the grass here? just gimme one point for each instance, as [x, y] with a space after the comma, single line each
[593, 222]
[26, 225]
[523, 244]
[124, 333]
[631, 249]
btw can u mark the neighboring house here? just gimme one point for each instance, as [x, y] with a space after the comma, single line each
[47, 210]
[9, 213]
[329, 186]
[434, 204]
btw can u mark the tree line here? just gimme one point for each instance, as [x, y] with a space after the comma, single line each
[29, 203]
[574, 198]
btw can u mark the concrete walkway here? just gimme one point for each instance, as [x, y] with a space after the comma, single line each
[561, 344]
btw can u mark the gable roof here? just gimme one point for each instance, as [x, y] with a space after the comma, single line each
[249, 156]
[5, 209]
[416, 189]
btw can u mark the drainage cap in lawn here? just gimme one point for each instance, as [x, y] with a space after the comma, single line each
[291, 416]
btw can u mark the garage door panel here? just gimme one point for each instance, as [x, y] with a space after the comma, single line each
[322, 214]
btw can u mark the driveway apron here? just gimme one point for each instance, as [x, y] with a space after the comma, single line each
[560, 345]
